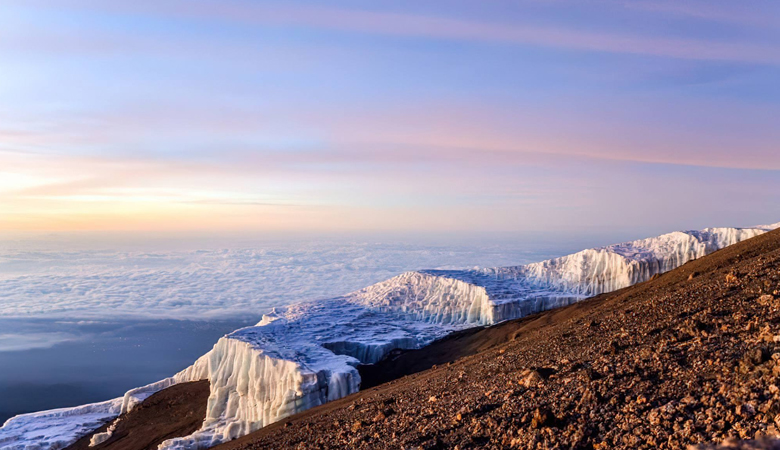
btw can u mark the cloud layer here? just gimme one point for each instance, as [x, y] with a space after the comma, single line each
[238, 283]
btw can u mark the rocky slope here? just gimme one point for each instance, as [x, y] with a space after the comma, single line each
[690, 357]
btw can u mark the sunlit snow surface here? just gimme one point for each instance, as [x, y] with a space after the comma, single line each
[57, 428]
[305, 354]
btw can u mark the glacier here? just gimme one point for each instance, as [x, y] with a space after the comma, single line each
[307, 354]
[56, 428]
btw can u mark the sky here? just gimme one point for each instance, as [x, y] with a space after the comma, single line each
[489, 116]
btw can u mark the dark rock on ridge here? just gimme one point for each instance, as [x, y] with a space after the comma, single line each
[173, 412]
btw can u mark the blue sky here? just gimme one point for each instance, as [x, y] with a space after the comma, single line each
[388, 116]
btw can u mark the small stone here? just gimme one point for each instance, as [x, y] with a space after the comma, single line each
[654, 417]
[530, 378]
[755, 357]
[746, 410]
[542, 418]
[588, 397]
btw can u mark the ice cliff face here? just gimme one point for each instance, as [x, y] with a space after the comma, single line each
[253, 383]
[430, 298]
[595, 271]
[306, 354]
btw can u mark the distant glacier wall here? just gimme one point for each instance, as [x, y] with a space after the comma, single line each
[596, 271]
[306, 354]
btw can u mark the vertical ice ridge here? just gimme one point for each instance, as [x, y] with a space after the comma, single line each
[596, 271]
[426, 297]
[251, 388]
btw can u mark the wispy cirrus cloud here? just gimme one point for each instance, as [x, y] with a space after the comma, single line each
[410, 25]
[726, 12]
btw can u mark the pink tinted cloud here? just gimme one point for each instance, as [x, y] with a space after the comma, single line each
[442, 133]
[707, 134]
[413, 25]
[726, 13]
[523, 34]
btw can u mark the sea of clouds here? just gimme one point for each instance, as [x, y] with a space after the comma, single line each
[243, 281]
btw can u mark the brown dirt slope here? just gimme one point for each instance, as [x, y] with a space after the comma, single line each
[735, 444]
[690, 357]
[173, 412]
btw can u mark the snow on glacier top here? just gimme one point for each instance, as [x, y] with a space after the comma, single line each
[56, 428]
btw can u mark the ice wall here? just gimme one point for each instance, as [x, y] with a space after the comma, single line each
[254, 383]
[595, 271]
[425, 297]
[306, 354]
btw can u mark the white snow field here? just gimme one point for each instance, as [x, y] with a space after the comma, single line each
[306, 354]
[56, 428]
